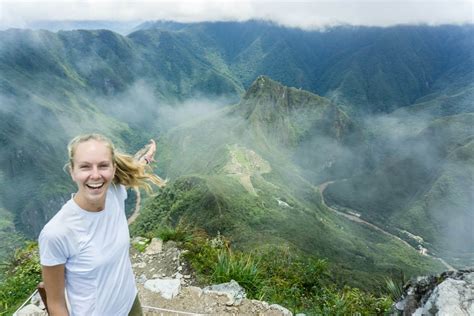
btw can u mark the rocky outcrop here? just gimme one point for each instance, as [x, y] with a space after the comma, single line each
[450, 293]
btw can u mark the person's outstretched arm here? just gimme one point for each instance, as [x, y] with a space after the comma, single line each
[53, 278]
[147, 154]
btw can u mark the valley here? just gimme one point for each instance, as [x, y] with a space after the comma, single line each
[356, 217]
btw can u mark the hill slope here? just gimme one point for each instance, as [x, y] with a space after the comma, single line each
[232, 173]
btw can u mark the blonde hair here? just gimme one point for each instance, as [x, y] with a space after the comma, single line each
[129, 172]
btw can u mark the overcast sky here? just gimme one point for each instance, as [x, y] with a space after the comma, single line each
[305, 14]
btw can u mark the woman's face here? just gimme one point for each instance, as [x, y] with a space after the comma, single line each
[93, 170]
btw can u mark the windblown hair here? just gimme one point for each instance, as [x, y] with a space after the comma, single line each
[129, 171]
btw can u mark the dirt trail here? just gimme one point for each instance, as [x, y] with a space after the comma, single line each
[357, 219]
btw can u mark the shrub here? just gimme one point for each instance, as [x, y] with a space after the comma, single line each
[181, 233]
[22, 275]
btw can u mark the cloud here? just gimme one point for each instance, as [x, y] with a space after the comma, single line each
[305, 14]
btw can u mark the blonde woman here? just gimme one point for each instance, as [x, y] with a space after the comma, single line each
[84, 248]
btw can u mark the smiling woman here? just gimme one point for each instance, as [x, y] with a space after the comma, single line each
[84, 248]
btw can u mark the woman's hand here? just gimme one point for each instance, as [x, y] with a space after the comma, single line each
[150, 154]
[147, 153]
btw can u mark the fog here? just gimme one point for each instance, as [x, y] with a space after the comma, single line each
[302, 14]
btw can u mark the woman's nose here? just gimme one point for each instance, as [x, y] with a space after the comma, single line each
[95, 172]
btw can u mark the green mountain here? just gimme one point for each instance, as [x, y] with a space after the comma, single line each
[233, 172]
[369, 69]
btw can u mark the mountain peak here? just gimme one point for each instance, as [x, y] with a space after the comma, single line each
[268, 97]
[283, 114]
[261, 85]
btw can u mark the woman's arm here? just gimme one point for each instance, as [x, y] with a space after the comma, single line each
[53, 278]
[146, 154]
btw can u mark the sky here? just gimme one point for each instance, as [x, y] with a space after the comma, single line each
[304, 14]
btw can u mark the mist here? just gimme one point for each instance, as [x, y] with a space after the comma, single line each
[301, 14]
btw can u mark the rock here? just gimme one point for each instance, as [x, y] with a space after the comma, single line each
[451, 297]
[195, 291]
[36, 300]
[450, 293]
[140, 265]
[155, 247]
[234, 292]
[142, 279]
[31, 310]
[167, 288]
[281, 309]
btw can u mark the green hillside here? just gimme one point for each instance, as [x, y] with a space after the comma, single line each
[233, 173]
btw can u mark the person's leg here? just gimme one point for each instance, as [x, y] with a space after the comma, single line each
[136, 308]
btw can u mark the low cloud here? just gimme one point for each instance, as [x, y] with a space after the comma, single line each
[303, 14]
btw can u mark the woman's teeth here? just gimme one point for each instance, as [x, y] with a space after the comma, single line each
[95, 186]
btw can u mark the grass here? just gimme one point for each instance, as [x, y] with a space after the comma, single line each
[243, 269]
[23, 273]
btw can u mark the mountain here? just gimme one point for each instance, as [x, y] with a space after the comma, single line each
[370, 68]
[365, 69]
[120, 27]
[234, 173]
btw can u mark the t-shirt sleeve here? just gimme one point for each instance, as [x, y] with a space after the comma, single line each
[53, 248]
[122, 192]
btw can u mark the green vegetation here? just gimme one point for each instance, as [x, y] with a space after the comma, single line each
[11, 240]
[240, 268]
[22, 275]
[278, 275]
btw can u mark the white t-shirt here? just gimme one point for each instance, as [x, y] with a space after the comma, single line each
[94, 246]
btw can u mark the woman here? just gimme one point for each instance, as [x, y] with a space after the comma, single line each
[84, 248]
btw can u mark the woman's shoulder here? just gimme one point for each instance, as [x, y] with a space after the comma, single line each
[119, 190]
[61, 223]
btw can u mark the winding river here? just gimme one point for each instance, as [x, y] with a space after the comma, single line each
[357, 219]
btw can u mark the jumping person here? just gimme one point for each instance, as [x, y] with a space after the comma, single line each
[84, 248]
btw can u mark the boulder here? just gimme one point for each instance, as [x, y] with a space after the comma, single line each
[450, 293]
[155, 247]
[167, 288]
[234, 292]
[284, 311]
